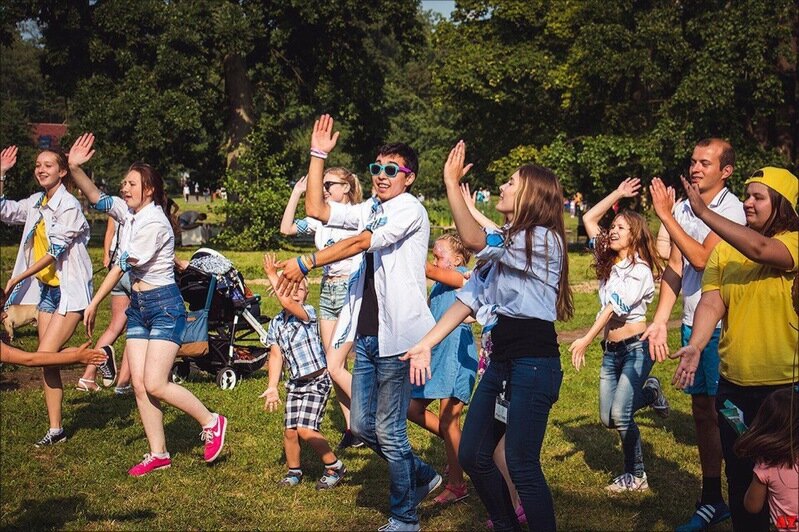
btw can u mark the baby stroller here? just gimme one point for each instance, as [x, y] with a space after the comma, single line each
[224, 331]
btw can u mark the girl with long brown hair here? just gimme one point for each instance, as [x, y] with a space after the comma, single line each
[156, 315]
[625, 257]
[528, 283]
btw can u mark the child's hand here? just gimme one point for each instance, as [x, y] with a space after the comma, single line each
[322, 137]
[270, 264]
[8, 158]
[272, 399]
[454, 168]
[577, 349]
[469, 197]
[301, 186]
[630, 187]
[81, 150]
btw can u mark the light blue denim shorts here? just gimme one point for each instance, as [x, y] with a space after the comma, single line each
[157, 314]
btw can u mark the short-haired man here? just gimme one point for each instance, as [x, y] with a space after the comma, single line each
[387, 309]
[712, 163]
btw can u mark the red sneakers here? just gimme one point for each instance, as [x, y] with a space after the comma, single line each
[148, 465]
[214, 438]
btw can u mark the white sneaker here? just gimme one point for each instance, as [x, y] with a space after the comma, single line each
[628, 482]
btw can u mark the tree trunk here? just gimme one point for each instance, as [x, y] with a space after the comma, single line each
[240, 118]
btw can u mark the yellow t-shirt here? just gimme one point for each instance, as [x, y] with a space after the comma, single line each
[40, 246]
[759, 332]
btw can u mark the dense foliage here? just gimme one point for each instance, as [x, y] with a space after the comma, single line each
[227, 90]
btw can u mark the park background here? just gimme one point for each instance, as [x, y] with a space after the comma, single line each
[227, 91]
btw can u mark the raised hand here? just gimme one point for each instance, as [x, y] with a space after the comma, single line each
[81, 151]
[469, 197]
[692, 191]
[270, 264]
[8, 158]
[454, 168]
[419, 355]
[300, 186]
[662, 198]
[323, 138]
[630, 187]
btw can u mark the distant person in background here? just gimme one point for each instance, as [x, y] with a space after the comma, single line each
[196, 192]
[186, 191]
[191, 219]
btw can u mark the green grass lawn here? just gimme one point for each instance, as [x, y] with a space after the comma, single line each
[83, 484]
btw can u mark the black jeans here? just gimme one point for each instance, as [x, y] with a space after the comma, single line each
[739, 470]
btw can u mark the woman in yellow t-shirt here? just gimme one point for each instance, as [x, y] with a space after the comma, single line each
[747, 284]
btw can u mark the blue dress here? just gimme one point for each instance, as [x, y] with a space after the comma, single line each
[454, 360]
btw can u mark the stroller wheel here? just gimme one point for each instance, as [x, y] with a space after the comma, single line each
[227, 378]
[180, 371]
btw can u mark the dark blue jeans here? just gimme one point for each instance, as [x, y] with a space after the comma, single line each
[381, 392]
[532, 387]
[621, 395]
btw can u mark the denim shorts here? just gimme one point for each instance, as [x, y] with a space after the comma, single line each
[122, 288]
[157, 314]
[706, 381]
[49, 299]
[332, 298]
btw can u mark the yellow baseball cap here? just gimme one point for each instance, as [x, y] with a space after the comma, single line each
[780, 180]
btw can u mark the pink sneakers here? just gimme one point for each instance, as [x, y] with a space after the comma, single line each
[214, 438]
[148, 465]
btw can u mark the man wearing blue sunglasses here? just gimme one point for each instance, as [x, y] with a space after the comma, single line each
[387, 310]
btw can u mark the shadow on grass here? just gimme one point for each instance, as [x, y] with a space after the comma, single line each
[98, 410]
[670, 485]
[56, 512]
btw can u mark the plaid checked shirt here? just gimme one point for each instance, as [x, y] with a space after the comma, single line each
[299, 341]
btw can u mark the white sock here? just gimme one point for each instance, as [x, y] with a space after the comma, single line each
[160, 455]
[56, 432]
[335, 465]
[213, 422]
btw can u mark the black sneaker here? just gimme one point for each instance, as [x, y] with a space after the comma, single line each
[51, 439]
[108, 368]
[661, 404]
[349, 440]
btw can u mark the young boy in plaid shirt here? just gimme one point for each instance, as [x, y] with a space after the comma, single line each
[293, 335]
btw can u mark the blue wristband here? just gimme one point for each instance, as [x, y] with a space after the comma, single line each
[303, 269]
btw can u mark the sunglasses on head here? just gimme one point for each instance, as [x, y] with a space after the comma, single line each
[390, 169]
[329, 184]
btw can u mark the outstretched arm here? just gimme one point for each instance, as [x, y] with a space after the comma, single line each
[752, 245]
[323, 140]
[8, 158]
[291, 306]
[628, 188]
[83, 355]
[452, 278]
[80, 153]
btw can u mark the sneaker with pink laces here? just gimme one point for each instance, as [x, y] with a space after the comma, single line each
[214, 438]
[149, 464]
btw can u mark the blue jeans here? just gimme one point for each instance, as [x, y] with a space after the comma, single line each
[532, 387]
[621, 395]
[381, 392]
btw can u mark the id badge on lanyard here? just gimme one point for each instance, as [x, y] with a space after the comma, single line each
[501, 406]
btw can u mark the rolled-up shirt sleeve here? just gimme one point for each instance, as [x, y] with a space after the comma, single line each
[114, 206]
[64, 230]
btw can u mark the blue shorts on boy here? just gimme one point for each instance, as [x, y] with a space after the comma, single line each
[303, 354]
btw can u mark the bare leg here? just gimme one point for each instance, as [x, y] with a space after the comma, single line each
[499, 459]
[291, 444]
[419, 414]
[450, 428]
[160, 357]
[118, 320]
[318, 443]
[54, 331]
[124, 370]
[149, 407]
[337, 367]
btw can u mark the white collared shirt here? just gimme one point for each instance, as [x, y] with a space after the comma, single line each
[146, 241]
[629, 289]
[727, 205]
[67, 234]
[400, 239]
[325, 236]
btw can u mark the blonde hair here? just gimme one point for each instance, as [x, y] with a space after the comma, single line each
[355, 194]
[456, 244]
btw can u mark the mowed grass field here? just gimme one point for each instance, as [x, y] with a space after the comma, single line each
[83, 483]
